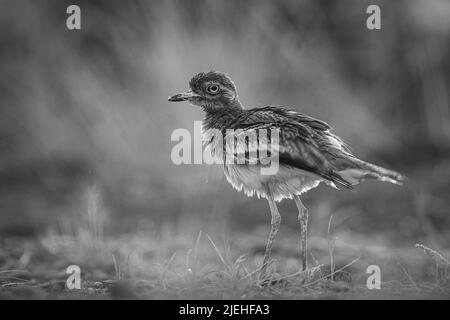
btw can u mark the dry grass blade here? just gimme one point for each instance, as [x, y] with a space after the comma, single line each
[117, 267]
[197, 243]
[441, 263]
[408, 276]
[319, 265]
[329, 275]
[436, 255]
[14, 271]
[331, 246]
[166, 268]
[218, 253]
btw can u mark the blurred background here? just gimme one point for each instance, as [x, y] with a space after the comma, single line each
[87, 110]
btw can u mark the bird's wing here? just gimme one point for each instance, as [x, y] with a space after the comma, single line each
[304, 142]
[281, 113]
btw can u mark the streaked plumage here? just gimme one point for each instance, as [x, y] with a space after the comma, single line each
[308, 152]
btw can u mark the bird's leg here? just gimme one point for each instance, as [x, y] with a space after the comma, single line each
[303, 219]
[275, 225]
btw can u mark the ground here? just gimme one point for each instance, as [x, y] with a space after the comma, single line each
[182, 264]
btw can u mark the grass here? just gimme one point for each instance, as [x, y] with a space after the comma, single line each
[441, 263]
[166, 262]
[198, 267]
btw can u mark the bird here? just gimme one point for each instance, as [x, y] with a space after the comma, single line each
[307, 151]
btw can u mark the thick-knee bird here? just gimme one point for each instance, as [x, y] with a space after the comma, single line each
[306, 150]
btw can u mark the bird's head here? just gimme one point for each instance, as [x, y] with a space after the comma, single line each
[213, 89]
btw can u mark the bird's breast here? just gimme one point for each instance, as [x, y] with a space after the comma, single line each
[287, 182]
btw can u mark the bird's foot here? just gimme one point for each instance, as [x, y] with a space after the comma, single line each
[268, 276]
[269, 280]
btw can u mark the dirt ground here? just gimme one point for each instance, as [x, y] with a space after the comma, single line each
[185, 265]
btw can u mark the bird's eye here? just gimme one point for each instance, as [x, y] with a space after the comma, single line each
[213, 89]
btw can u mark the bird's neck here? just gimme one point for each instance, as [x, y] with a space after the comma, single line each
[221, 116]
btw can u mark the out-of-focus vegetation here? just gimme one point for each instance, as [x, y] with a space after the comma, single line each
[89, 108]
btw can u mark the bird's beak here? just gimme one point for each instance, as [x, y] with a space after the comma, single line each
[182, 96]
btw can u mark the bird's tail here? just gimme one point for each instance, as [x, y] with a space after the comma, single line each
[361, 170]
